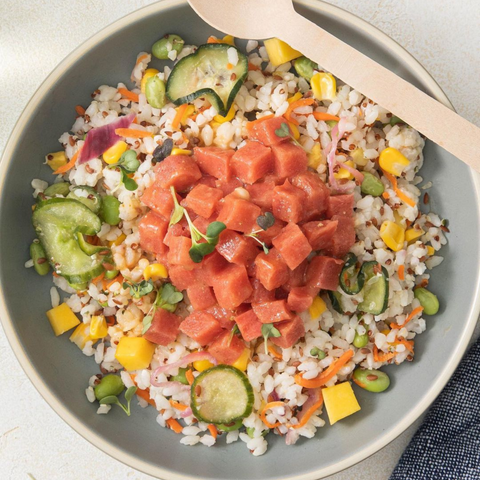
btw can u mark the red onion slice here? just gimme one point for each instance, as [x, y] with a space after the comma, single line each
[186, 413]
[314, 395]
[357, 174]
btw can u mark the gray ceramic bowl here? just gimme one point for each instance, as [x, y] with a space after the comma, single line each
[60, 372]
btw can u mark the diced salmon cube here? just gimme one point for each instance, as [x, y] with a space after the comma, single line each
[341, 205]
[236, 248]
[226, 318]
[271, 312]
[289, 159]
[260, 293]
[271, 269]
[159, 200]
[316, 191]
[180, 229]
[320, 233]
[164, 328]
[179, 252]
[249, 325]
[343, 238]
[292, 245]
[232, 286]
[268, 235]
[261, 194]
[203, 200]
[226, 348]
[179, 171]
[201, 327]
[228, 187]
[323, 273]
[152, 229]
[201, 296]
[208, 180]
[211, 267]
[182, 278]
[252, 162]
[300, 299]
[296, 277]
[264, 131]
[288, 202]
[202, 223]
[290, 332]
[238, 214]
[215, 161]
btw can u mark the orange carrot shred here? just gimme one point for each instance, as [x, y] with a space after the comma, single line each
[411, 315]
[174, 425]
[379, 356]
[69, 165]
[309, 413]
[251, 67]
[189, 376]
[128, 94]
[141, 58]
[303, 102]
[133, 133]
[325, 116]
[274, 352]
[118, 278]
[385, 195]
[144, 394]
[229, 66]
[80, 110]
[213, 39]
[55, 274]
[213, 430]
[401, 272]
[408, 344]
[99, 278]
[178, 405]
[402, 196]
[179, 115]
[251, 124]
[263, 414]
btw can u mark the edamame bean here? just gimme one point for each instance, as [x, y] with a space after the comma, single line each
[371, 380]
[155, 92]
[62, 188]
[371, 185]
[169, 42]
[305, 67]
[316, 352]
[109, 385]
[181, 377]
[427, 300]
[360, 341]
[111, 210]
[39, 257]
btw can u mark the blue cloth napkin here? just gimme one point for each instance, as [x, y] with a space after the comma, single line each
[447, 445]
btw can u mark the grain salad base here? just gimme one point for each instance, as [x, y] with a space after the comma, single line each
[266, 91]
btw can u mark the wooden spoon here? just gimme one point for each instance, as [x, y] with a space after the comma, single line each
[259, 19]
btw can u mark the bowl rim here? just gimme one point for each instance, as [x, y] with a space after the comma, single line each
[19, 351]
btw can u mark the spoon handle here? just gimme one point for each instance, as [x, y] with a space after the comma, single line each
[437, 122]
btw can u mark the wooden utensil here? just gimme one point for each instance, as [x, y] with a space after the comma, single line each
[259, 19]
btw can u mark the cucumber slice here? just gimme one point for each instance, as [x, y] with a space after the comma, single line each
[90, 249]
[351, 278]
[336, 300]
[56, 222]
[88, 196]
[62, 188]
[375, 292]
[206, 73]
[221, 394]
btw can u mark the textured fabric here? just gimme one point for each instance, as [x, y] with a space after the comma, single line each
[447, 445]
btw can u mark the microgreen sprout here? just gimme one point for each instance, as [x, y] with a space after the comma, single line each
[140, 289]
[113, 400]
[284, 132]
[127, 164]
[268, 330]
[235, 330]
[264, 222]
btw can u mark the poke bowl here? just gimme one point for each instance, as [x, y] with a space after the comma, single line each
[242, 249]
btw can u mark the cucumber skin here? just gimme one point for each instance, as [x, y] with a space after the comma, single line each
[386, 277]
[246, 383]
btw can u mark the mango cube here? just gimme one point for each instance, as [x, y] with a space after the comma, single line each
[98, 327]
[242, 361]
[62, 319]
[340, 401]
[134, 353]
[81, 335]
[201, 365]
[280, 52]
[317, 308]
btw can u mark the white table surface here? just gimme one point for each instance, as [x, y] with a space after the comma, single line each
[34, 36]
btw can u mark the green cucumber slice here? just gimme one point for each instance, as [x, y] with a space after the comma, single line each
[56, 222]
[336, 300]
[375, 291]
[88, 196]
[90, 249]
[62, 188]
[206, 73]
[221, 394]
[351, 277]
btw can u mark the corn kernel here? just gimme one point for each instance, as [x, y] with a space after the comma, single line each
[280, 52]
[340, 401]
[118, 240]
[413, 234]
[56, 160]
[98, 327]
[230, 39]
[317, 308]
[227, 118]
[242, 361]
[134, 353]
[201, 365]
[315, 156]
[180, 151]
[392, 161]
[155, 271]
[343, 173]
[430, 250]
[80, 336]
[324, 86]
[294, 129]
[295, 97]
[358, 157]
[149, 73]
[393, 235]
[62, 319]
[113, 154]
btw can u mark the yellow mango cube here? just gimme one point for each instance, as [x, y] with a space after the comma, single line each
[134, 353]
[317, 308]
[430, 250]
[340, 401]
[201, 365]
[62, 319]
[81, 335]
[98, 327]
[56, 160]
[242, 361]
[280, 52]
[315, 156]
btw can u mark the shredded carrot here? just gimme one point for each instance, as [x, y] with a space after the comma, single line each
[178, 406]
[133, 133]
[118, 278]
[309, 413]
[385, 195]
[411, 315]
[303, 102]
[251, 124]
[402, 196]
[140, 58]
[251, 67]
[379, 356]
[213, 39]
[99, 278]
[213, 430]
[401, 272]
[408, 344]
[179, 115]
[174, 425]
[128, 94]
[80, 110]
[229, 66]
[55, 274]
[263, 414]
[325, 116]
[69, 165]
[144, 394]
[274, 352]
[189, 376]
[327, 374]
